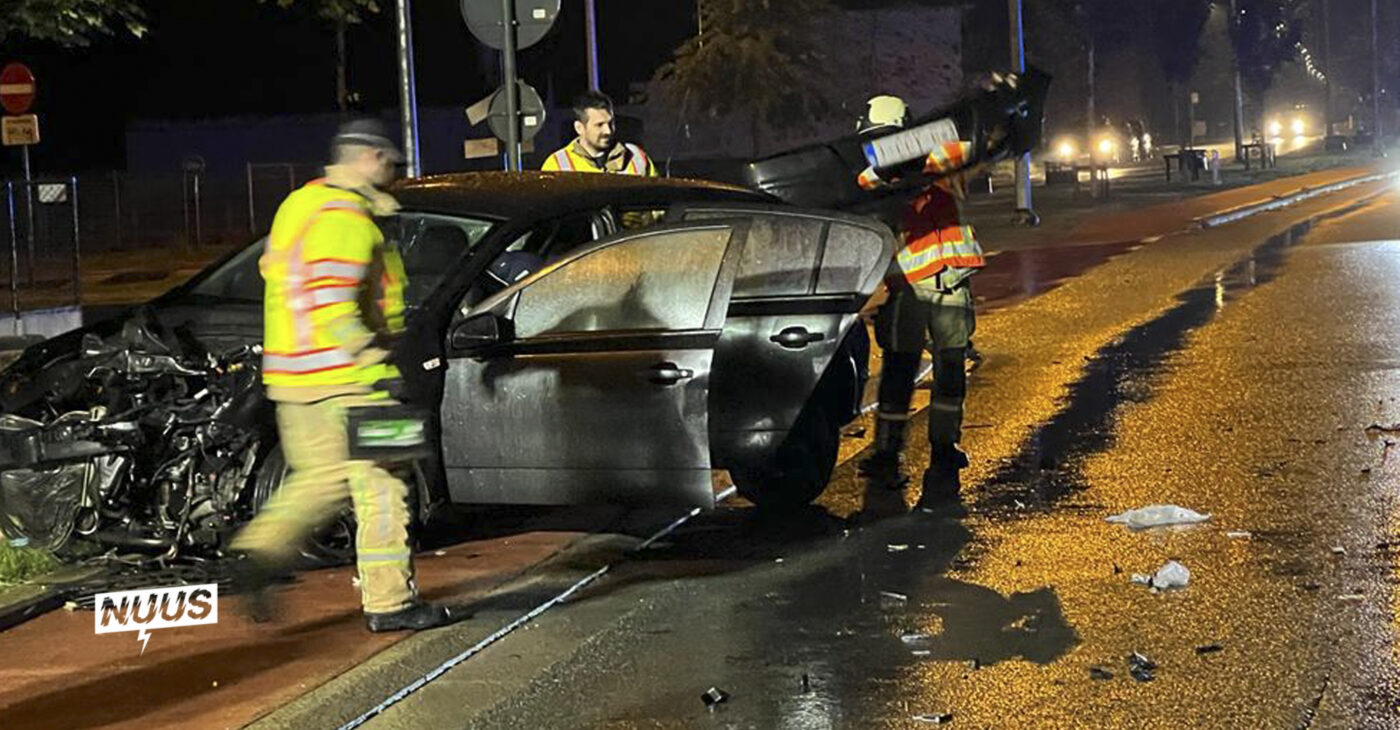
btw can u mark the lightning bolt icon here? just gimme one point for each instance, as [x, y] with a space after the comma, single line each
[143, 636]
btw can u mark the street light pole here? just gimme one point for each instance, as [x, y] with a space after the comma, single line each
[408, 93]
[590, 14]
[511, 89]
[1375, 80]
[1024, 214]
[1327, 67]
[1239, 90]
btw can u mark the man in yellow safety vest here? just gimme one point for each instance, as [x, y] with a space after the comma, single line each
[596, 148]
[334, 302]
[930, 306]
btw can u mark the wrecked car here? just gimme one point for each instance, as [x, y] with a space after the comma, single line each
[585, 338]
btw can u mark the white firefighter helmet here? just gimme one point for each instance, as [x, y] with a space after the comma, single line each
[883, 112]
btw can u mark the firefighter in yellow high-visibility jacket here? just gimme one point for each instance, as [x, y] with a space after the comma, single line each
[930, 307]
[334, 301]
[596, 148]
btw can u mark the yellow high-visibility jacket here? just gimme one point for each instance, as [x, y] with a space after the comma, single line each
[331, 285]
[626, 159]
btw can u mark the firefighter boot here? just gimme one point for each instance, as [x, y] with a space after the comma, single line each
[941, 482]
[883, 467]
[415, 617]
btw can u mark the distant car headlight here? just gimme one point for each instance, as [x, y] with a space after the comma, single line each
[1106, 146]
[1299, 126]
[1066, 150]
[1275, 128]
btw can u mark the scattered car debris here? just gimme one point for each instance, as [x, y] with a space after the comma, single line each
[913, 638]
[891, 595]
[934, 719]
[1239, 534]
[1171, 575]
[1141, 667]
[921, 652]
[855, 433]
[975, 664]
[1339, 550]
[1158, 515]
[1351, 597]
[19, 542]
[70, 606]
[896, 548]
[1209, 649]
[777, 560]
[439, 553]
[714, 696]
[1100, 673]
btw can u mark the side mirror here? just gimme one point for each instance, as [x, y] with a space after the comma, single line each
[476, 332]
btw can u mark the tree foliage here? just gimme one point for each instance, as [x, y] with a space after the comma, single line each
[69, 22]
[335, 11]
[1176, 27]
[1265, 35]
[754, 56]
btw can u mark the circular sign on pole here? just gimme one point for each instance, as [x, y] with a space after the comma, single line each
[16, 88]
[531, 112]
[533, 19]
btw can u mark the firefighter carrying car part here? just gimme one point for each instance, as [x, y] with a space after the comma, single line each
[596, 148]
[333, 304]
[930, 306]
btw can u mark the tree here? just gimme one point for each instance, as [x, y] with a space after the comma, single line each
[1069, 29]
[341, 14]
[1265, 35]
[1176, 42]
[754, 56]
[69, 22]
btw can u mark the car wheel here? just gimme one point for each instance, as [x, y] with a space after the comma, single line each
[802, 467]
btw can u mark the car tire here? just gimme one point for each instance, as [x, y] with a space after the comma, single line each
[334, 543]
[802, 466]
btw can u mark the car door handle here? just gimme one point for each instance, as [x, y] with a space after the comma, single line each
[667, 373]
[796, 338]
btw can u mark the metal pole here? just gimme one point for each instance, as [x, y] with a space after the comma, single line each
[252, 213]
[117, 203]
[590, 13]
[198, 232]
[185, 200]
[29, 212]
[1375, 81]
[408, 89]
[14, 257]
[77, 249]
[512, 93]
[1025, 214]
[1239, 89]
[1327, 67]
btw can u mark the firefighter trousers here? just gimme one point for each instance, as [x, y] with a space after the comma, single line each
[316, 446]
[922, 317]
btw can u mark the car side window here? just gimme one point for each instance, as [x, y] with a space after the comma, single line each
[662, 281]
[779, 255]
[851, 252]
[431, 247]
[553, 239]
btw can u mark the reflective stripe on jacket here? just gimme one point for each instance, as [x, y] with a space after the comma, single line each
[935, 237]
[625, 158]
[331, 285]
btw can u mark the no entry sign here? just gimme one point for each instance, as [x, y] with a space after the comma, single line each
[16, 88]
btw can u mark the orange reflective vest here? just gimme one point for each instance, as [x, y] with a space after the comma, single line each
[626, 159]
[331, 284]
[935, 237]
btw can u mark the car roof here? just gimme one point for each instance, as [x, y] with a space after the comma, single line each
[505, 195]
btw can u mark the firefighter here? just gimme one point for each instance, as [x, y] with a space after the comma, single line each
[930, 306]
[596, 148]
[333, 304]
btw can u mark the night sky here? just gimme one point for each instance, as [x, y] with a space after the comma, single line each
[211, 58]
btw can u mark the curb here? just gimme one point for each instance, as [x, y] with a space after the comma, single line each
[1279, 201]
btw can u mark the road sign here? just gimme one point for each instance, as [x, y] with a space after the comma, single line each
[21, 130]
[531, 112]
[533, 19]
[16, 88]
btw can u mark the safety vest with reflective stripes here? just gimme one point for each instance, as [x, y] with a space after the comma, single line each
[935, 237]
[947, 157]
[634, 161]
[331, 284]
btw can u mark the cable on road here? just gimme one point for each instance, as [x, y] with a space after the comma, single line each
[534, 613]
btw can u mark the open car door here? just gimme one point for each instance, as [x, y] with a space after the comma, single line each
[588, 381]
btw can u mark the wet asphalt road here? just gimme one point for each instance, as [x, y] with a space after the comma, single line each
[1246, 396]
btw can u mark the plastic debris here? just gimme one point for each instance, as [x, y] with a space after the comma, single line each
[1351, 597]
[70, 606]
[1339, 550]
[1158, 515]
[1100, 673]
[896, 548]
[1209, 649]
[777, 560]
[439, 553]
[934, 719]
[1171, 575]
[1239, 534]
[922, 652]
[913, 638]
[900, 597]
[714, 696]
[1141, 667]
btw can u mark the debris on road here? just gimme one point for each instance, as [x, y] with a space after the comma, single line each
[921, 652]
[1339, 550]
[1375, 430]
[934, 719]
[913, 638]
[855, 433]
[1351, 597]
[1171, 575]
[1209, 649]
[896, 548]
[891, 595]
[1158, 515]
[1141, 667]
[1100, 673]
[439, 553]
[714, 696]
[975, 664]
[1239, 534]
